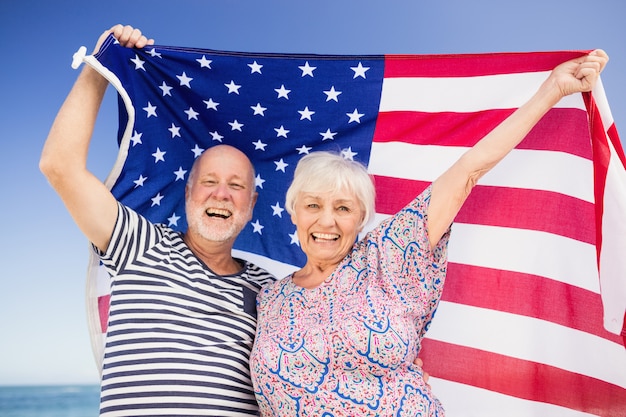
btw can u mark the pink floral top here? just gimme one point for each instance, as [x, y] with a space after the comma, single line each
[346, 348]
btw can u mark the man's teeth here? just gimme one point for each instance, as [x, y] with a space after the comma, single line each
[219, 213]
[325, 236]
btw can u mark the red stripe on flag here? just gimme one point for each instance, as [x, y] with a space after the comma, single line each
[617, 144]
[392, 194]
[498, 206]
[601, 160]
[527, 295]
[471, 65]
[523, 379]
[103, 311]
[443, 129]
[566, 129]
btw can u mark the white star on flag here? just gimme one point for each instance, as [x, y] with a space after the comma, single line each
[159, 155]
[180, 173]
[139, 182]
[359, 70]
[204, 62]
[257, 227]
[156, 201]
[232, 87]
[254, 67]
[191, 114]
[138, 63]
[282, 92]
[184, 80]
[307, 69]
[332, 94]
[210, 104]
[166, 89]
[355, 116]
[151, 110]
[173, 220]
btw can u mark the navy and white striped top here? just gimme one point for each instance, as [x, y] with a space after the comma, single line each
[179, 336]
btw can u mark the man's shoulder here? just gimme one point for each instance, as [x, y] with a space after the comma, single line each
[257, 273]
[126, 211]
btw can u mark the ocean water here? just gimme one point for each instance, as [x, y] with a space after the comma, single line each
[49, 401]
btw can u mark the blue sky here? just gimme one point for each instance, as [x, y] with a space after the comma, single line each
[43, 255]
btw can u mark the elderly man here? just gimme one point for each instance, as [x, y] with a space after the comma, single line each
[183, 310]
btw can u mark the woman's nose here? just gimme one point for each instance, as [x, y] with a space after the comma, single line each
[327, 217]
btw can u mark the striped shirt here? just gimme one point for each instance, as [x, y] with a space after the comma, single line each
[179, 336]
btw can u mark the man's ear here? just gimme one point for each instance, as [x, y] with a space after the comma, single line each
[255, 196]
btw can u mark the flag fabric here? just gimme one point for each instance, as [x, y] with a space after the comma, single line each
[531, 319]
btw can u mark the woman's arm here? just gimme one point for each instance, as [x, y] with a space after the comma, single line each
[452, 188]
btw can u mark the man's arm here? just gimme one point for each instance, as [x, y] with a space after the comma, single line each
[64, 157]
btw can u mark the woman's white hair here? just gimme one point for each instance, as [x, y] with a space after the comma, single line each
[330, 172]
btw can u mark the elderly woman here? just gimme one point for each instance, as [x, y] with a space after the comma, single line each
[339, 336]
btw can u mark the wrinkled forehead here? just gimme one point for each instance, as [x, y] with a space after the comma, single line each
[225, 163]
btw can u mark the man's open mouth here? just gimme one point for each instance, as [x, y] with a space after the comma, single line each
[221, 213]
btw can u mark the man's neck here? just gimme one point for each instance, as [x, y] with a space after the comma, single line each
[215, 255]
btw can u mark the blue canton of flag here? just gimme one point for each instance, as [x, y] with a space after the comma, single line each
[274, 108]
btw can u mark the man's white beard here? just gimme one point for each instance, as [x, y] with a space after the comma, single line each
[198, 222]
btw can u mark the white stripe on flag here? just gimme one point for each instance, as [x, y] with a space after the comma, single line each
[529, 339]
[542, 170]
[510, 249]
[599, 96]
[103, 281]
[613, 256]
[465, 94]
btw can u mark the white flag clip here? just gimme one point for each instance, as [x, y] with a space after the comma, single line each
[78, 57]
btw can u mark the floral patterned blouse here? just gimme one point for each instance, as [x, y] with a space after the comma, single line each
[346, 347]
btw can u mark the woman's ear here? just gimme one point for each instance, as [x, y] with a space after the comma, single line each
[363, 223]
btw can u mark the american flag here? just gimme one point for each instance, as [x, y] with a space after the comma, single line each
[531, 316]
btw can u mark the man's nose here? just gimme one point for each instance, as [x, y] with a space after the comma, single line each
[221, 192]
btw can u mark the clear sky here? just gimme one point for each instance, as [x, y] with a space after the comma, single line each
[43, 328]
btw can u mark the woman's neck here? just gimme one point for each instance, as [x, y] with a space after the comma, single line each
[312, 275]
